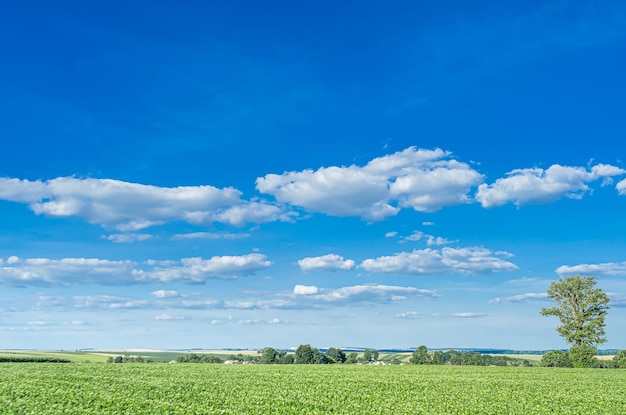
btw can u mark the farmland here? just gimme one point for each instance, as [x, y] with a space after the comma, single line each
[306, 389]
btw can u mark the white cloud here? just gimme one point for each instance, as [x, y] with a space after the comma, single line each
[468, 315]
[330, 262]
[166, 316]
[209, 235]
[107, 302]
[410, 315]
[198, 270]
[131, 206]
[415, 236]
[101, 271]
[305, 289]
[538, 186]
[621, 187]
[617, 269]
[430, 239]
[165, 293]
[527, 297]
[523, 280]
[126, 238]
[424, 180]
[474, 260]
[391, 234]
[438, 241]
[371, 293]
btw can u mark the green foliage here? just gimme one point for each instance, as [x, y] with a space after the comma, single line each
[620, 359]
[420, 356]
[582, 355]
[581, 308]
[269, 356]
[16, 359]
[307, 355]
[199, 358]
[141, 389]
[369, 355]
[556, 358]
[337, 355]
[352, 358]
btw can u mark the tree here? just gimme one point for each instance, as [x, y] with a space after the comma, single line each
[269, 356]
[620, 359]
[288, 359]
[352, 358]
[556, 358]
[336, 354]
[581, 308]
[582, 355]
[420, 356]
[305, 354]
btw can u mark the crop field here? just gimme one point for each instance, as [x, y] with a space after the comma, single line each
[41, 388]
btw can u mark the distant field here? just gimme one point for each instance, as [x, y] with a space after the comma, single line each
[77, 357]
[138, 389]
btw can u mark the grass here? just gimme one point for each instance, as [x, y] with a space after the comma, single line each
[50, 389]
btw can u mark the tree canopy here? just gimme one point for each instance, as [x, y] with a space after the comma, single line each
[581, 308]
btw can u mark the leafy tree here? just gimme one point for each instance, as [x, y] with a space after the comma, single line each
[367, 355]
[471, 359]
[437, 358]
[620, 359]
[269, 356]
[304, 354]
[556, 358]
[352, 358]
[336, 354]
[581, 308]
[288, 359]
[420, 356]
[583, 355]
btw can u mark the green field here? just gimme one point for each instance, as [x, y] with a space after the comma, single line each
[161, 388]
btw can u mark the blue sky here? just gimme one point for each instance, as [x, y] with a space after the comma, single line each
[200, 174]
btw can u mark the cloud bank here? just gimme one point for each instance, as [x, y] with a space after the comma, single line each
[131, 206]
[424, 180]
[473, 260]
[69, 271]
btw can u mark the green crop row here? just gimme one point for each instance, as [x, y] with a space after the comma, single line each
[306, 389]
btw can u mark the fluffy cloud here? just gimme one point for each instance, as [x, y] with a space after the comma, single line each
[537, 186]
[100, 271]
[131, 206]
[474, 260]
[621, 187]
[109, 302]
[374, 293]
[127, 238]
[607, 268]
[328, 262]
[424, 180]
[527, 297]
[305, 289]
[431, 240]
[165, 293]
